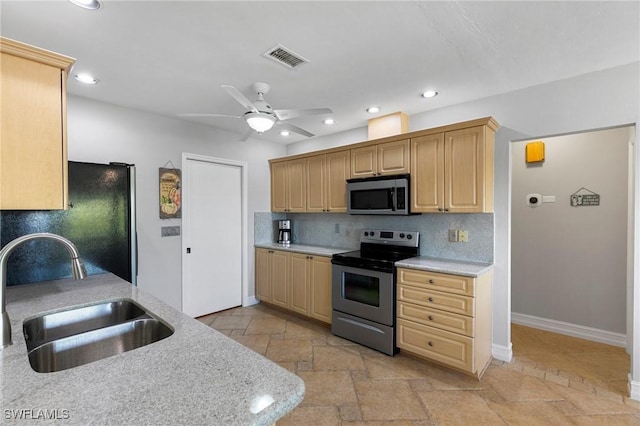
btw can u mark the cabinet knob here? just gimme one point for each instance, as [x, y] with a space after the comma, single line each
[439, 209]
[430, 343]
[431, 281]
[430, 299]
[430, 317]
[446, 210]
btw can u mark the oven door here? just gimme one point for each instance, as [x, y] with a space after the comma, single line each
[363, 293]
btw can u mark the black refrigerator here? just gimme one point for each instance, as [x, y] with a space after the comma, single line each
[100, 220]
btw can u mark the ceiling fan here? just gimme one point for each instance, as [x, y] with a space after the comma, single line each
[260, 116]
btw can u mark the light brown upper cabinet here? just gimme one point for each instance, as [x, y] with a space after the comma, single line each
[453, 171]
[389, 158]
[33, 128]
[327, 176]
[288, 186]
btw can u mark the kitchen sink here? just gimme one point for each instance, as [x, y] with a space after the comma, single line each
[78, 336]
[48, 327]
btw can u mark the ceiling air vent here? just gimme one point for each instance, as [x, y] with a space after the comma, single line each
[285, 57]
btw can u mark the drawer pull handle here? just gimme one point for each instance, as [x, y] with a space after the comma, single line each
[431, 281]
[430, 343]
[430, 317]
[430, 299]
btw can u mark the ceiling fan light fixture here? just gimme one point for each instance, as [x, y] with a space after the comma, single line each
[259, 122]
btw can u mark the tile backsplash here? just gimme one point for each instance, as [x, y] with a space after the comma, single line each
[343, 230]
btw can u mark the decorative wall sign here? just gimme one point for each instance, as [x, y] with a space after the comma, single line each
[170, 193]
[584, 198]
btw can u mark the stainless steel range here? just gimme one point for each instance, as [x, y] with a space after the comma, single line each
[363, 288]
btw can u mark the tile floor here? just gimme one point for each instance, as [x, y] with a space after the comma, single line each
[553, 379]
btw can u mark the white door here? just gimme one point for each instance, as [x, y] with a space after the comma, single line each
[212, 235]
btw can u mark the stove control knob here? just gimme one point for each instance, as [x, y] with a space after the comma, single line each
[372, 233]
[366, 234]
[401, 235]
[409, 236]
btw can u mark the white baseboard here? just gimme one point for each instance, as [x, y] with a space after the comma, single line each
[634, 389]
[249, 301]
[502, 353]
[574, 330]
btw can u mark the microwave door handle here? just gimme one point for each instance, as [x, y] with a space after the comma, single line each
[392, 199]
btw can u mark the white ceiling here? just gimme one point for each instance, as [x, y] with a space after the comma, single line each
[171, 57]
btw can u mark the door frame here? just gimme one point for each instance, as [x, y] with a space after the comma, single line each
[502, 252]
[243, 220]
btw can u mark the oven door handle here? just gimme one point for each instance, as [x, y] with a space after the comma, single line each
[359, 324]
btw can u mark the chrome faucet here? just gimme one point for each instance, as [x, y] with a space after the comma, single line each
[77, 269]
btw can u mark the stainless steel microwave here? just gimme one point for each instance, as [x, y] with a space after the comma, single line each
[386, 195]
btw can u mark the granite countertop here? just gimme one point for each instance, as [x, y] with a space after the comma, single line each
[196, 376]
[301, 248]
[445, 266]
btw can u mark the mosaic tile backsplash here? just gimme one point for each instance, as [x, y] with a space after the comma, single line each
[343, 230]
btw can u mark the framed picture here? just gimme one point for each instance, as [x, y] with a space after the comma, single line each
[170, 193]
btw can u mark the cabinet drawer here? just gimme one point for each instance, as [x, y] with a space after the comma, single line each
[448, 348]
[436, 299]
[433, 317]
[442, 282]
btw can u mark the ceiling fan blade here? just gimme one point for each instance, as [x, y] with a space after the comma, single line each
[286, 114]
[246, 135]
[235, 93]
[196, 115]
[294, 129]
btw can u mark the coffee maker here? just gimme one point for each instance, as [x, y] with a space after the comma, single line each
[284, 232]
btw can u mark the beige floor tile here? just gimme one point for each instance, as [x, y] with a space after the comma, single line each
[513, 386]
[328, 388]
[615, 420]
[397, 367]
[389, 400]
[336, 358]
[230, 322]
[289, 350]
[459, 408]
[255, 342]
[312, 416]
[266, 326]
[530, 413]
[582, 403]
[300, 331]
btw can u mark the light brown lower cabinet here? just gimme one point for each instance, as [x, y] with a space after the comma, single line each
[445, 318]
[295, 281]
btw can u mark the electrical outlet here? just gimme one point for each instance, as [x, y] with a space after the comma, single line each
[453, 235]
[463, 236]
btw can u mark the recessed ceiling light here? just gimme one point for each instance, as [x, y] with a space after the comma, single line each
[329, 121]
[429, 94]
[87, 4]
[85, 78]
[284, 133]
[373, 109]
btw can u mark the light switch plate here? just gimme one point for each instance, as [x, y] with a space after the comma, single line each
[169, 231]
[463, 236]
[453, 235]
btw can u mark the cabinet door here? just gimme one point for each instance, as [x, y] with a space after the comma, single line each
[297, 184]
[393, 157]
[299, 283]
[364, 161]
[280, 278]
[263, 274]
[427, 173]
[464, 170]
[338, 170]
[33, 174]
[316, 181]
[320, 285]
[279, 186]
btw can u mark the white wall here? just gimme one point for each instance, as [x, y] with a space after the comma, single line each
[569, 263]
[101, 133]
[596, 100]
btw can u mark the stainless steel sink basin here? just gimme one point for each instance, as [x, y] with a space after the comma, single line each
[48, 327]
[78, 336]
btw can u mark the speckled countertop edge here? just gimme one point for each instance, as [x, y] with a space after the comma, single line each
[445, 266]
[196, 376]
[306, 249]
